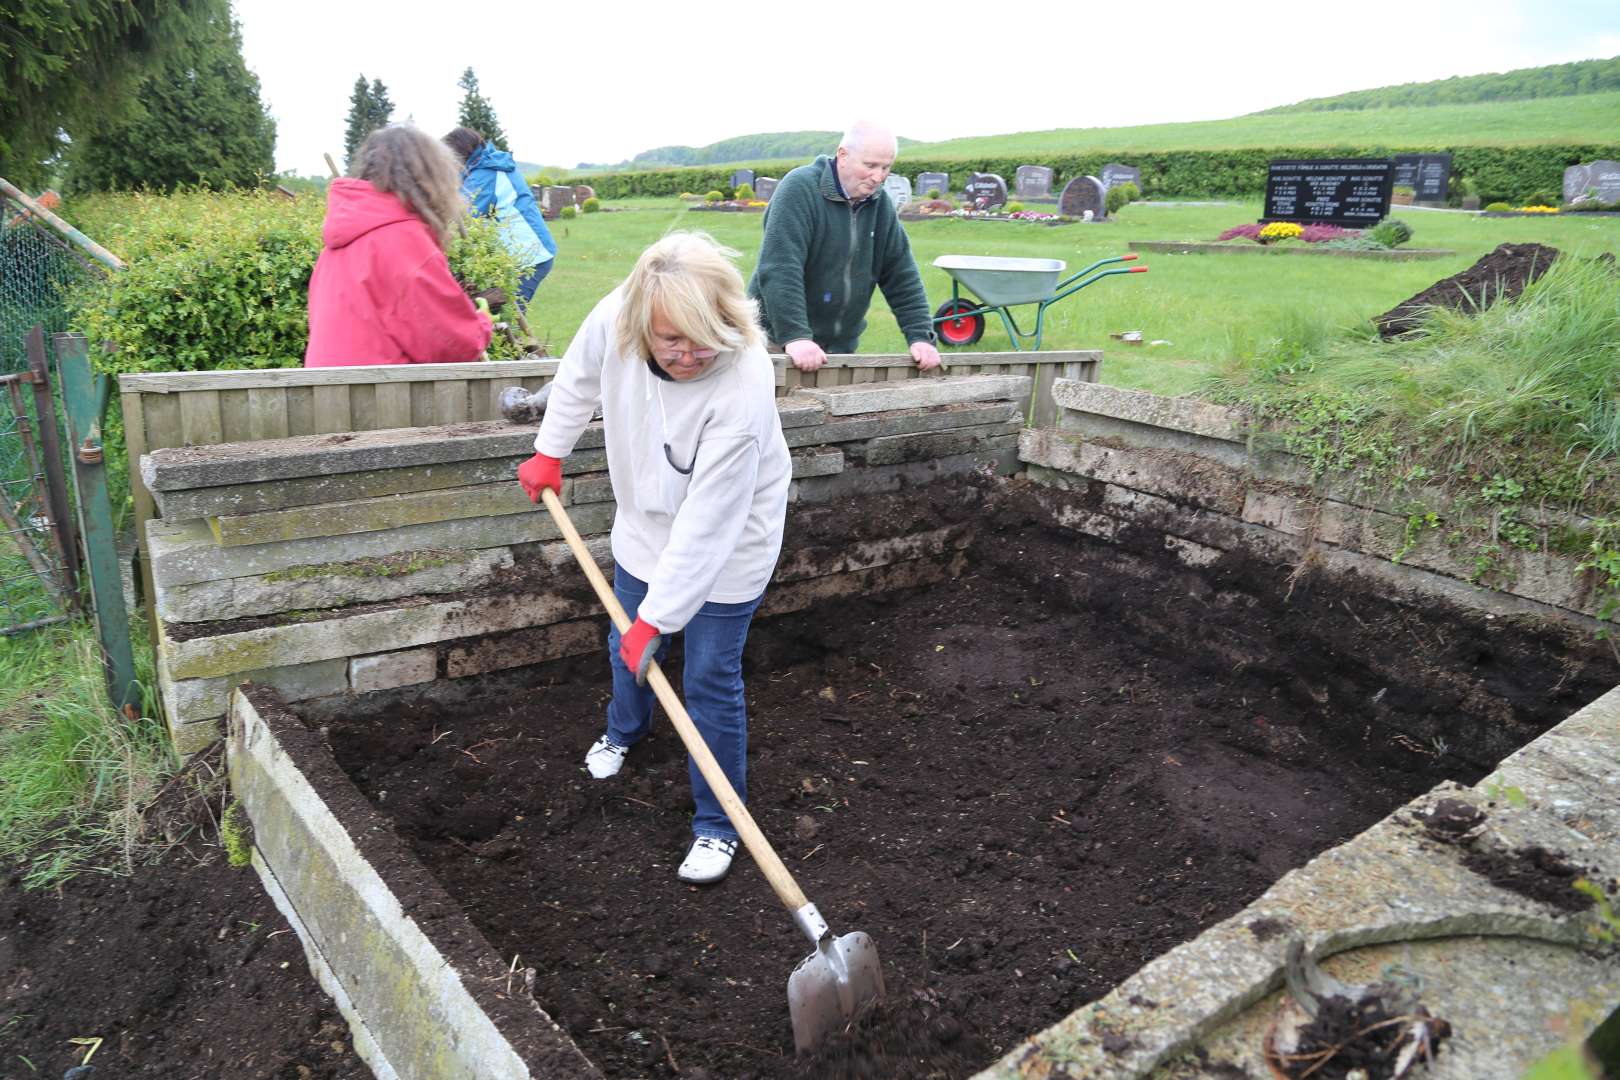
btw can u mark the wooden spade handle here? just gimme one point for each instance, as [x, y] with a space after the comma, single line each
[787, 890]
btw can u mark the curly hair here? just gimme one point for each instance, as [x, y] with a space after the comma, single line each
[419, 170]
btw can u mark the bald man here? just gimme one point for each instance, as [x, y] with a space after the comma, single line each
[831, 237]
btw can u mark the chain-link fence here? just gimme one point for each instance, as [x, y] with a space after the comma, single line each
[37, 268]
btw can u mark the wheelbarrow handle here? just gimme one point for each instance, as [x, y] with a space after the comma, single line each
[1072, 278]
[787, 890]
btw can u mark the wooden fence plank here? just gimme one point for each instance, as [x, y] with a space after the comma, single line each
[363, 408]
[300, 410]
[169, 382]
[450, 402]
[422, 405]
[393, 405]
[162, 422]
[267, 413]
[235, 422]
[332, 409]
[199, 418]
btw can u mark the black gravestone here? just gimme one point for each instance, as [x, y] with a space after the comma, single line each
[933, 181]
[985, 191]
[1351, 192]
[1599, 178]
[1033, 181]
[741, 177]
[1433, 178]
[1115, 175]
[1081, 194]
[1406, 170]
[765, 187]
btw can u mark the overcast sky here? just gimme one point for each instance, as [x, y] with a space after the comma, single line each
[576, 82]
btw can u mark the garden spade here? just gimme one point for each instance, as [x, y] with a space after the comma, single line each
[843, 975]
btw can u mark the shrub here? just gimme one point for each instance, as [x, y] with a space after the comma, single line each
[567, 212]
[1280, 230]
[714, 196]
[933, 193]
[1498, 207]
[1013, 208]
[1241, 232]
[1316, 233]
[1120, 196]
[1391, 232]
[221, 280]
[544, 179]
[745, 192]
[591, 205]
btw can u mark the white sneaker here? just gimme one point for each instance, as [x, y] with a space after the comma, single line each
[708, 860]
[605, 758]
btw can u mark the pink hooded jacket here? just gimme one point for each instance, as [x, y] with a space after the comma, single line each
[382, 292]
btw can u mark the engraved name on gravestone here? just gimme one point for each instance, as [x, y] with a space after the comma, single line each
[741, 177]
[899, 189]
[1081, 194]
[934, 181]
[985, 191]
[765, 187]
[1033, 181]
[1113, 175]
[1598, 181]
[1352, 192]
[1406, 170]
[1433, 178]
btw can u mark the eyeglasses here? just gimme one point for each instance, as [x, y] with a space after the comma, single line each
[672, 355]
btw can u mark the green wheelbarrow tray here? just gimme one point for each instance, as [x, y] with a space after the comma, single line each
[995, 283]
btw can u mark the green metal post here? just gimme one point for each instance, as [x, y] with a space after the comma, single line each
[83, 405]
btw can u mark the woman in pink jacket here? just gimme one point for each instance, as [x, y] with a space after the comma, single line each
[382, 292]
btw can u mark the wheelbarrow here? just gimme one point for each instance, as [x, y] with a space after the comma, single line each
[996, 284]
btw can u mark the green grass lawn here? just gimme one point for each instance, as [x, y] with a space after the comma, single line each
[1209, 307]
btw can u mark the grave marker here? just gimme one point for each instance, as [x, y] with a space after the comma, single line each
[553, 199]
[1406, 170]
[765, 187]
[583, 192]
[741, 177]
[1433, 179]
[1351, 192]
[1113, 175]
[1033, 181]
[934, 181]
[1600, 177]
[899, 189]
[1081, 194]
[985, 191]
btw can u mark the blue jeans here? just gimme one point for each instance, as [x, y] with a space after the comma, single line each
[532, 277]
[714, 696]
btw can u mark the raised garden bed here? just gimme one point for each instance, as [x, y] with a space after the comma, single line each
[1023, 783]
[1194, 247]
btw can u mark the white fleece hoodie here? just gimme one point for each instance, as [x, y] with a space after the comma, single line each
[713, 534]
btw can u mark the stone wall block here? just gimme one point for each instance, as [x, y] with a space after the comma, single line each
[384, 671]
[861, 398]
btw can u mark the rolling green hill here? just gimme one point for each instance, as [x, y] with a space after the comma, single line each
[1521, 84]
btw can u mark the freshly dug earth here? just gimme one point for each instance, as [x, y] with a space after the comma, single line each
[185, 971]
[1023, 784]
[1502, 274]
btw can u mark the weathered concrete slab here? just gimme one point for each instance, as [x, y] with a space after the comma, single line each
[818, 461]
[342, 487]
[998, 457]
[920, 446]
[1185, 478]
[795, 411]
[533, 645]
[345, 635]
[185, 552]
[197, 736]
[859, 398]
[798, 595]
[187, 701]
[902, 422]
[221, 464]
[1389, 884]
[384, 671]
[799, 564]
[1139, 407]
[1572, 772]
[424, 990]
[412, 573]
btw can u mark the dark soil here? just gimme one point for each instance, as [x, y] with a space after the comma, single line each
[185, 971]
[1365, 1036]
[1023, 784]
[1502, 274]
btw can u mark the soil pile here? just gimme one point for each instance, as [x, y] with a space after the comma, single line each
[1503, 274]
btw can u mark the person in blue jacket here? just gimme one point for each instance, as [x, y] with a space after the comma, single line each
[491, 184]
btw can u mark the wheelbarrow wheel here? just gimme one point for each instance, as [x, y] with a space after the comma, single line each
[958, 324]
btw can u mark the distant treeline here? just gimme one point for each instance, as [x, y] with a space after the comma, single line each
[1554, 80]
[763, 147]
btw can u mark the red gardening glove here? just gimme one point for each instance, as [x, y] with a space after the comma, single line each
[638, 647]
[540, 472]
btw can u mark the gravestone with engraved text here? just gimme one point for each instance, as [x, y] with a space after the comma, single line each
[1597, 181]
[1033, 181]
[985, 191]
[765, 187]
[1113, 175]
[1350, 192]
[741, 177]
[1081, 194]
[934, 181]
[899, 189]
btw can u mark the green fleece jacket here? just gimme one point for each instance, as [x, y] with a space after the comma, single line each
[821, 259]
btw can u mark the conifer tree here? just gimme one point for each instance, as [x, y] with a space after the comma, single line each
[369, 109]
[476, 111]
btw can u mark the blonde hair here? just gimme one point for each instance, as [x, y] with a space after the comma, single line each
[690, 279]
[419, 170]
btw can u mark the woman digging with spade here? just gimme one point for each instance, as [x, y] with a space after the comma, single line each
[700, 474]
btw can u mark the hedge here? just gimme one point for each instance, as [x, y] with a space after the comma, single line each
[1509, 173]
